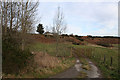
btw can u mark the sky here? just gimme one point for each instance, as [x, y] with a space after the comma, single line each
[82, 18]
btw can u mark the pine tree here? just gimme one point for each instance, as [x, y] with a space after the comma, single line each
[40, 29]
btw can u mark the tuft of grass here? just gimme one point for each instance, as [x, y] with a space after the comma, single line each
[86, 67]
[82, 74]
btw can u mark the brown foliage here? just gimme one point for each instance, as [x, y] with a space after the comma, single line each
[42, 38]
[45, 60]
[105, 40]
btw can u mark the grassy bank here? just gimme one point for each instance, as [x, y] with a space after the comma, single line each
[44, 62]
[45, 72]
[49, 64]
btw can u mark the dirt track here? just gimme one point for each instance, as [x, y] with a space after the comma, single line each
[74, 71]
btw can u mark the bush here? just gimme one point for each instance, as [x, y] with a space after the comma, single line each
[65, 35]
[13, 58]
[105, 44]
[79, 39]
[75, 43]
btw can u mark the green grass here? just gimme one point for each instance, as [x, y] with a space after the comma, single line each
[63, 49]
[115, 45]
[82, 74]
[96, 54]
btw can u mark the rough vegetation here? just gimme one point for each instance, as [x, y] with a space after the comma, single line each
[14, 59]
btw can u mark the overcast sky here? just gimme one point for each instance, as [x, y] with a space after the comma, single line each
[83, 18]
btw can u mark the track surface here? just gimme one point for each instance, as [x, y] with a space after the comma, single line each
[73, 72]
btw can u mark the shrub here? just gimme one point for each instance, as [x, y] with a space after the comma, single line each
[105, 44]
[75, 43]
[65, 35]
[14, 59]
[81, 39]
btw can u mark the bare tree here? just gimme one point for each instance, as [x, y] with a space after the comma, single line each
[59, 22]
[59, 26]
[1, 17]
[7, 15]
[5, 12]
[11, 20]
[18, 16]
[28, 15]
[47, 29]
[17, 24]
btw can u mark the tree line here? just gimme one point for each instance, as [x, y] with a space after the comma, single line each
[17, 21]
[17, 17]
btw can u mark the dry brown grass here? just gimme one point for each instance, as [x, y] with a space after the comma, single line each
[41, 66]
[82, 75]
[45, 60]
[86, 67]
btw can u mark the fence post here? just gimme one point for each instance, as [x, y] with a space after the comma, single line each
[111, 61]
[104, 59]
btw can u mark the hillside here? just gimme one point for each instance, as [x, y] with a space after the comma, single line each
[78, 40]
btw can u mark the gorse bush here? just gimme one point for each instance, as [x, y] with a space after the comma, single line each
[105, 44]
[14, 59]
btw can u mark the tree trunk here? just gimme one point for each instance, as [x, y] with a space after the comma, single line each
[1, 19]
[5, 5]
[23, 44]
[22, 29]
[11, 18]
[57, 42]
